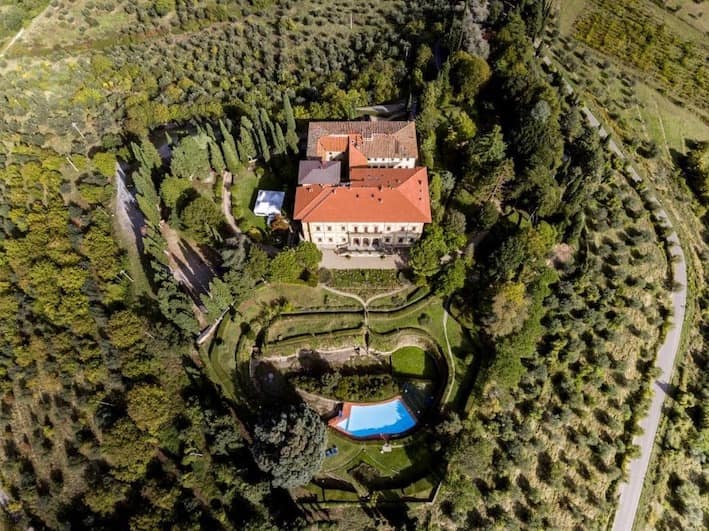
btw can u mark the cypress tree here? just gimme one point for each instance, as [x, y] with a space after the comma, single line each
[288, 110]
[265, 152]
[248, 149]
[241, 152]
[210, 131]
[280, 141]
[215, 158]
[226, 134]
[267, 124]
[230, 157]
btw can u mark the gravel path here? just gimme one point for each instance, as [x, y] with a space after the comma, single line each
[227, 180]
[129, 218]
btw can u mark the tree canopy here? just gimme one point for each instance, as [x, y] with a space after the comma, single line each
[290, 445]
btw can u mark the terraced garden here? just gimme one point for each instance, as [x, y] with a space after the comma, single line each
[325, 347]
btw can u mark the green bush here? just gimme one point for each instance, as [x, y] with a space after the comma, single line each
[350, 388]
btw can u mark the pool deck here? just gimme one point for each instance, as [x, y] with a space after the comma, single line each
[345, 413]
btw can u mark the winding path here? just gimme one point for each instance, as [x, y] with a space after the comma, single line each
[227, 181]
[630, 490]
[451, 359]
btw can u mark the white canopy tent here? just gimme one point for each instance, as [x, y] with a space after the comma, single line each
[268, 203]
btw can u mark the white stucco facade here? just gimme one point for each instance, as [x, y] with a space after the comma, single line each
[362, 236]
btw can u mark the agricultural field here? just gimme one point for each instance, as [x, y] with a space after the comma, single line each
[573, 432]
[652, 92]
[88, 64]
[693, 12]
[651, 42]
[14, 15]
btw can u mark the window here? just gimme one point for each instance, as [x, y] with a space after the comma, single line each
[388, 228]
[413, 228]
[387, 240]
[319, 240]
[329, 240]
[401, 240]
[411, 240]
[355, 241]
[343, 239]
[343, 228]
[317, 227]
[402, 229]
[329, 228]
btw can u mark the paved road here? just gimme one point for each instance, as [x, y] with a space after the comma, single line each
[631, 489]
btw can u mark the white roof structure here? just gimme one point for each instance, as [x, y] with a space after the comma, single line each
[268, 203]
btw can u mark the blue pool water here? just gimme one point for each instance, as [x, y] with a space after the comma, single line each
[371, 420]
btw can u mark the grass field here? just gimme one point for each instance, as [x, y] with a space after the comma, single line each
[413, 361]
[408, 462]
[640, 107]
[243, 196]
[296, 325]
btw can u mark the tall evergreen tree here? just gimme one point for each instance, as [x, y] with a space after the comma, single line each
[288, 111]
[226, 135]
[280, 142]
[230, 157]
[248, 149]
[265, 150]
[147, 198]
[215, 158]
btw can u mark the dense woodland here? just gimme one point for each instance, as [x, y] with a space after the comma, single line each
[542, 249]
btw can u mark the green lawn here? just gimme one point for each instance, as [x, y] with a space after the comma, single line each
[413, 361]
[243, 195]
[409, 454]
[287, 326]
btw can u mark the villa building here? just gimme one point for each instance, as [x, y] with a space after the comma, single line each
[360, 188]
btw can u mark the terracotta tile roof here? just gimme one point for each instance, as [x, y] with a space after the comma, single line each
[355, 158]
[317, 172]
[373, 195]
[379, 139]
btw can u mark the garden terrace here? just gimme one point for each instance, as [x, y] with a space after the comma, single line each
[311, 352]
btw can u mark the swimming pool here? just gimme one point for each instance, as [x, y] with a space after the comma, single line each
[365, 421]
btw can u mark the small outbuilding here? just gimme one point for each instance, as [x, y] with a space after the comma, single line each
[269, 203]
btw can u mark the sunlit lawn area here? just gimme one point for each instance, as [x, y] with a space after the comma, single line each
[411, 452]
[413, 361]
